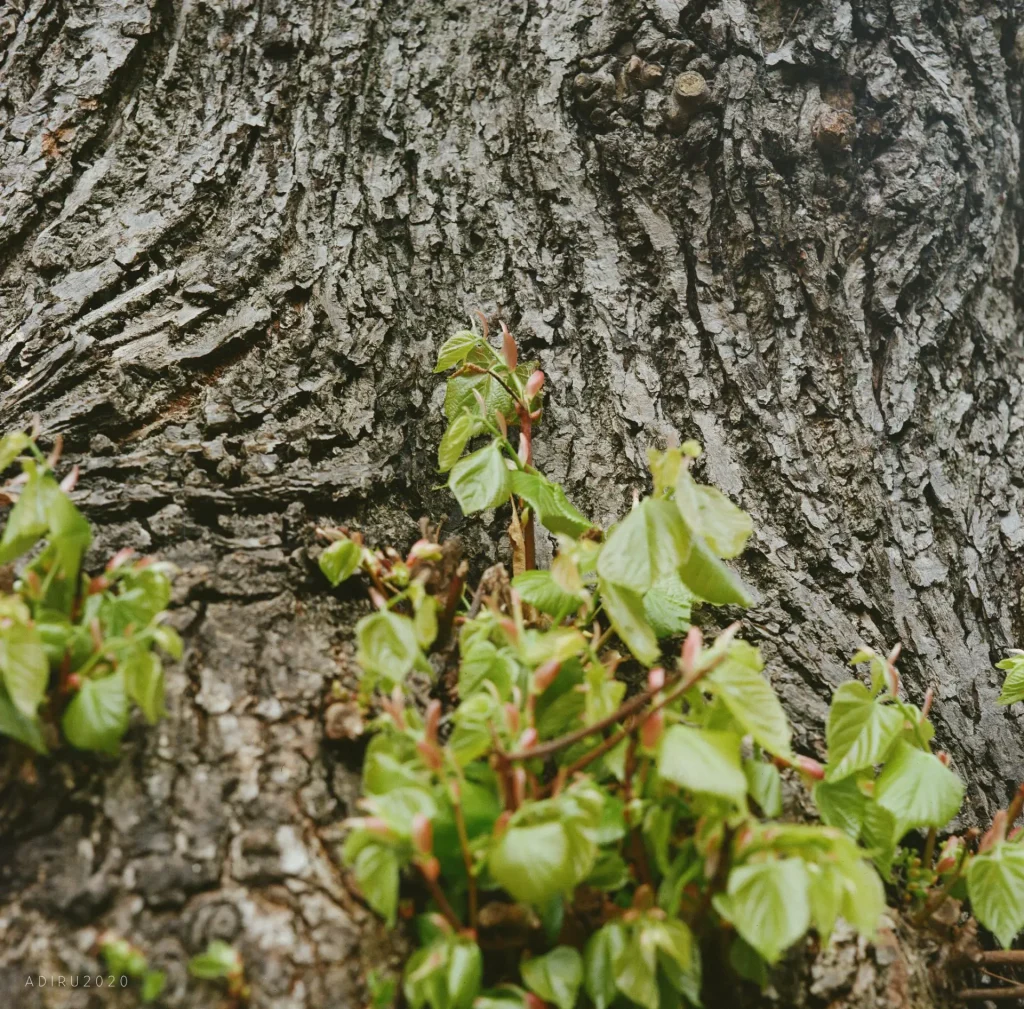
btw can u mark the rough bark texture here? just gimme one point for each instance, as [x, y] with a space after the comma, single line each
[233, 235]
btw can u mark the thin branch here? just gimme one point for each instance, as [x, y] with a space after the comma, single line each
[1016, 805]
[929, 849]
[1015, 956]
[442, 902]
[982, 994]
[444, 625]
[467, 857]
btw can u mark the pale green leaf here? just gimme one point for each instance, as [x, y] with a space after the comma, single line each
[24, 667]
[625, 609]
[705, 761]
[455, 439]
[144, 680]
[341, 560]
[1013, 685]
[376, 872]
[861, 731]
[602, 952]
[918, 790]
[548, 502]
[764, 785]
[11, 446]
[649, 544]
[480, 480]
[539, 861]
[555, 976]
[667, 606]
[841, 804]
[540, 590]
[14, 724]
[387, 645]
[456, 349]
[97, 716]
[995, 884]
[711, 515]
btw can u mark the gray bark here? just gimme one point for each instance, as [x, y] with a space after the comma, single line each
[233, 236]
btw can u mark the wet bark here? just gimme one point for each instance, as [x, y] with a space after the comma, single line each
[233, 236]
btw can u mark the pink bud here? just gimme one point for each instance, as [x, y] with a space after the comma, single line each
[68, 483]
[422, 834]
[377, 599]
[512, 717]
[73, 682]
[995, 833]
[524, 449]
[545, 675]
[431, 754]
[531, 1001]
[509, 351]
[502, 423]
[691, 650]
[501, 824]
[655, 678]
[652, 729]
[528, 739]
[423, 550]
[430, 867]
[810, 767]
[119, 558]
[948, 855]
[534, 384]
[519, 786]
[508, 625]
[432, 720]
[943, 758]
[375, 825]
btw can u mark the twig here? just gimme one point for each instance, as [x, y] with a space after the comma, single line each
[467, 856]
[444, 625]
[1015, 956]
[981, 994]
[929, 849]
[1015, 807]
[442, 902]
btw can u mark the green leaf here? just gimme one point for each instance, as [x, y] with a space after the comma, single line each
[220, 960]
[553, 509]
[27, 520]
[1013, 685]
[861, 731]
[747, 962]
[539, 589]
[709, 579]
[750, 698]
[825, 893]
[863, 897]
[918, 789]
[70, 533]
[649, 544]
[471, 737]
[764, 785]
[97, 716]
[144, 679]
[610, 872]
[555, 976]
[11, 446]
[636, 972]
[841, 804]
[14, 724]
[153, 984]
[456, 349]
[387, 645]
[465, 972]
[537, 862]
[341, 560]
[768, 904]
[141, 595]
[169, 640]
[667, 606]
[995, 885]
[705, 761]
[455, 439]
[480, 480]
[459, 396]
[878, 834]
[483, 662]
[599, 958]
[712, 516]
[625, 609]
[376, 872]
[24, 667]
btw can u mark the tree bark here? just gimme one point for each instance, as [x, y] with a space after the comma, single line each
[233, 236]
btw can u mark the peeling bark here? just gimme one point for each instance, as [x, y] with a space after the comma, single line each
[232, 237]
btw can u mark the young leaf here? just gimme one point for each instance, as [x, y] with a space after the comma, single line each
[387, 645]
[708, 578]
[768, 904]
[667, 606]
[28, 520]
[861, 730]
[764, 785]
[555, 976]
[14, 724]
[482, 661]
[1013, 685]
[539, 589]
[24, 667]
[341, 560]
[602, 952]
[376, 872]
[636, 972]
[650, 543]
[455, 439]
[553, 509]
[750, 698]
[144, 680]
[480, 480]
[465, 972]
[879, 836]
[534, 863]
[153, 984]
[459, 397]
[456, 349]
[841, 804]
[704, 761]
[711, 515]
[995, 884]
[11, 446]
[918, 790]
[625, 609]
[97, 716]
[220, 960]
[70, 533]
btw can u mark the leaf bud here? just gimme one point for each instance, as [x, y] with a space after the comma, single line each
[996, 833]
[430, 867]
[432, 720]
[431, 754]
[509, 351]
[74, 682]
[691, 650]
[545, 675]
[652, 729]
[943, 758]
[948, 857]
[422, 834]
[423, 550]
[655, 678]
[512, 717]
[528, 739]
[534, 384]
[810, 767]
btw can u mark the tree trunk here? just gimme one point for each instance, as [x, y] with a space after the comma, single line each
[233, 236]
